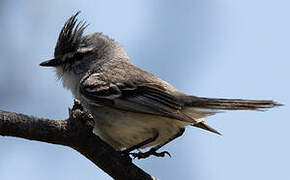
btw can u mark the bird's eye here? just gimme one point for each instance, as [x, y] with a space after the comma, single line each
[76, 57]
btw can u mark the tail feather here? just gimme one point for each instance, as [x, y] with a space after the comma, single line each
[230, 104]
[212, 105]
[205, 126]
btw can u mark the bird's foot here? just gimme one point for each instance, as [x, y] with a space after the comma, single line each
[152, 152]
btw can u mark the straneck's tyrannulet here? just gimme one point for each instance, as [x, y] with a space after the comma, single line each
[132, 108]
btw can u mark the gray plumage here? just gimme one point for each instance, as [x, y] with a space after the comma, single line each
[128, 104]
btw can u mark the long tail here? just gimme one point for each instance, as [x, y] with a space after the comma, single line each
[225, 104]
[230, 104]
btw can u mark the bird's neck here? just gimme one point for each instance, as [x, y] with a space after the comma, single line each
[70, 81]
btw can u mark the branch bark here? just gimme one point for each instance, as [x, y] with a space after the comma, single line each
[75, 132]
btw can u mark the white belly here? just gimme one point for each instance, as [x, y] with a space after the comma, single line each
[123, 129]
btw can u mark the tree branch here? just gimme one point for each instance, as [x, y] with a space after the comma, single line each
[75, 132]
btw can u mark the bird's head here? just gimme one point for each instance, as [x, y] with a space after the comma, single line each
[75, 52]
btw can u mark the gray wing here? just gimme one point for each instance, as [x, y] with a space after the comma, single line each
[149, 98]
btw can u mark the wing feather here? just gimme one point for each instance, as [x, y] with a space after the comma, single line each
[139, 97]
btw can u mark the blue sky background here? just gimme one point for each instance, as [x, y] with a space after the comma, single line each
[214, 48]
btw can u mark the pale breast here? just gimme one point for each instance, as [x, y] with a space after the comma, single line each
[123, 129]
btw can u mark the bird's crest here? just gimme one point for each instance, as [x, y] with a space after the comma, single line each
[70, 36]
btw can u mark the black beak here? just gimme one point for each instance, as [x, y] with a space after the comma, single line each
[52, 63]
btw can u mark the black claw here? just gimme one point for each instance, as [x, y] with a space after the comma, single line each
[168, 154]
[152, 152]
[162, 154]
[139, 155]
[134, 155]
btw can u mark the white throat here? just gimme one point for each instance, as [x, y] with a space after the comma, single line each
[69, 80]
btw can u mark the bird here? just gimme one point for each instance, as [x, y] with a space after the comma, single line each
[132, 108]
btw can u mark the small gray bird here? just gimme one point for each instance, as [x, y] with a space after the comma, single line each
[132, 108]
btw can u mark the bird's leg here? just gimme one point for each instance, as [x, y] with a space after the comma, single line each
[143, 143]
[153, 150]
